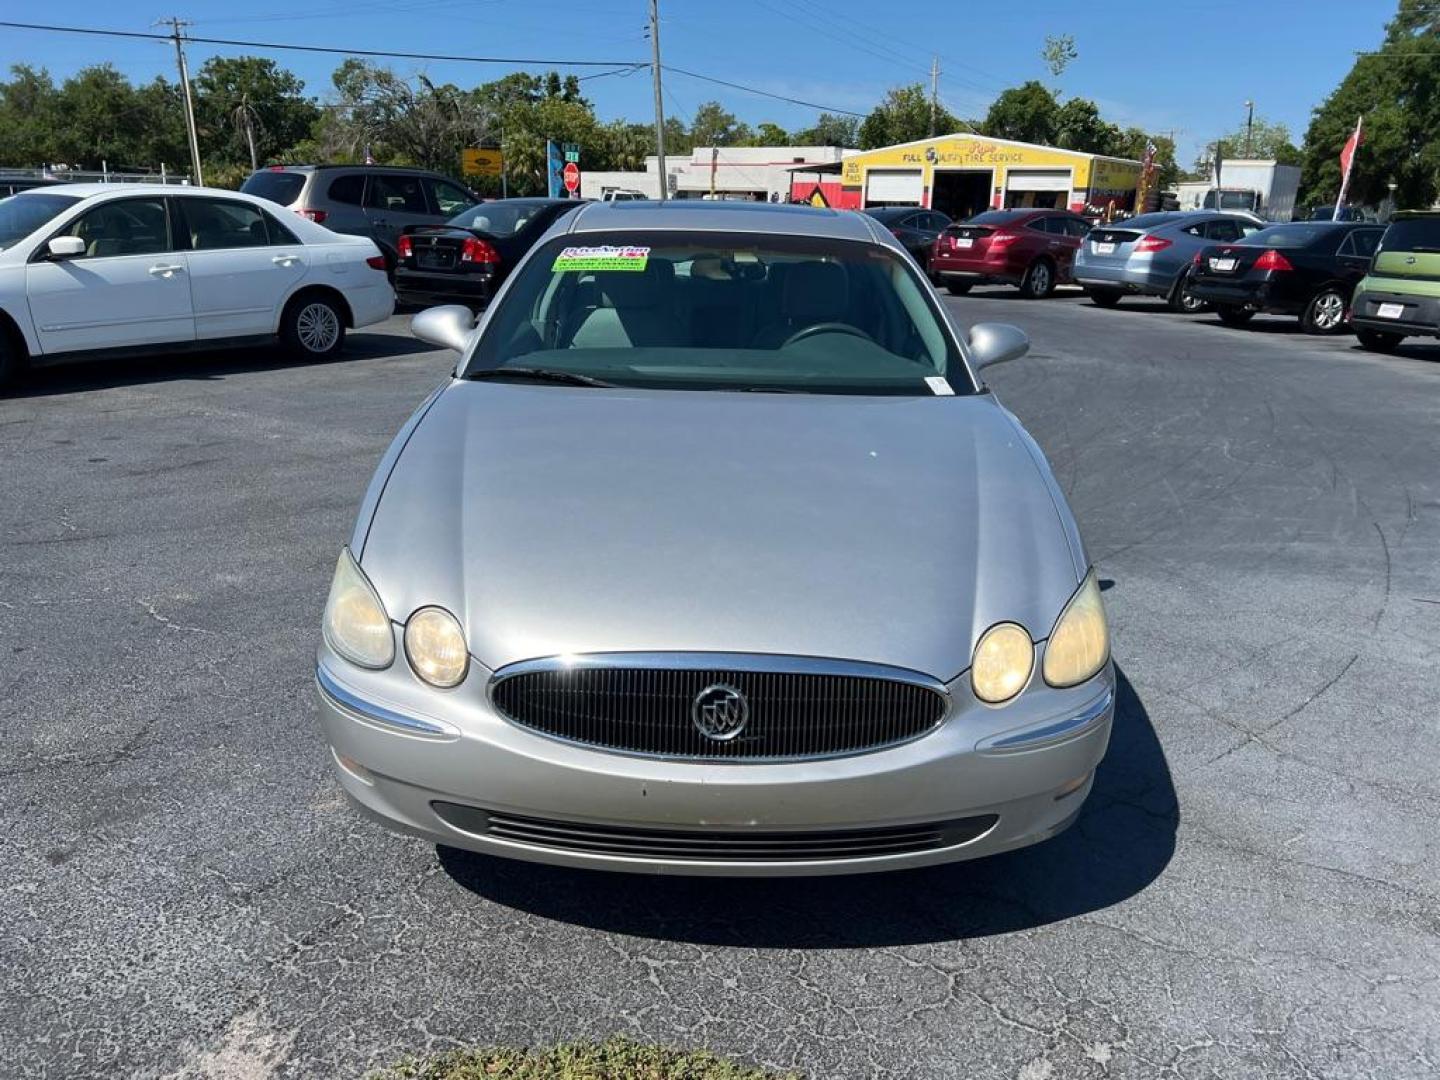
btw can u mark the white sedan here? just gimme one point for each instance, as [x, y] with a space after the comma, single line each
[89, 268]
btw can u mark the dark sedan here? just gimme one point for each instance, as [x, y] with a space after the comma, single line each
[915, 227]
[1307, 268]
[467, 259]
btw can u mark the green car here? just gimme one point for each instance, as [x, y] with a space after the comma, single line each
[1400, 297]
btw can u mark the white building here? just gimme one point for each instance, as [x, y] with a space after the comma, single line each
[760, 173]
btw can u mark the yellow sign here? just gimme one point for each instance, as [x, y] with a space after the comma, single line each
[476, 162]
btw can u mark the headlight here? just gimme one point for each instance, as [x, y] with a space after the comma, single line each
[356, 625]
[1080, 643]
[1002, 664]
[435, 646]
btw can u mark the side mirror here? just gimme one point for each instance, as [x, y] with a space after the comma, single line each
[450, 326]
[995, 343]
[65, 247]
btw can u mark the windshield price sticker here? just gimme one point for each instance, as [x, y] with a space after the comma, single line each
[939, 386]
[601, 258]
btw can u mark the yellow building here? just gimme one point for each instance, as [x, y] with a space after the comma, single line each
[963, 174]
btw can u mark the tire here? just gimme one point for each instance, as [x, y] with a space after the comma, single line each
[313, 327]
[957, 288]
[1378, 340]
[1104, 297]
[1039, 280]
[1325, 314]
[1231, 315]
[10, 364]
[1181, 301]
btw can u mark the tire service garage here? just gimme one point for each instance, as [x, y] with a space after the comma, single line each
[962, 175]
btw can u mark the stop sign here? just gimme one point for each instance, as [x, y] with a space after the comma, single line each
[571, 176]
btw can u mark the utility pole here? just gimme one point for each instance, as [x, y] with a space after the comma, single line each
[934, 93]
[175, 24]
[1249, 126]
[659, 101]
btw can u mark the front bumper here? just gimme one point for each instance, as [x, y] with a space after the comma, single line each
[1420, 315]
[444, 766]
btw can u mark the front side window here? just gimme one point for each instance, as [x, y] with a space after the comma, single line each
[214, 224]
[20, 215]
[401, 194]
[123, 227]
[720, 311]
[450, 199]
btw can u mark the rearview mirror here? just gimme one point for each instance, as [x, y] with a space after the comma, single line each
[65, 247]
[449, 327]
[995, 343]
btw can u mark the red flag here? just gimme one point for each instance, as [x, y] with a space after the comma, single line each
[1347, 155]
[1347, 158]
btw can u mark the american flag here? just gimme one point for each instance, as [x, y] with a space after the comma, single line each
[1147, 162]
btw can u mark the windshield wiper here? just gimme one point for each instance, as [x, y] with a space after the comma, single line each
[535, 374]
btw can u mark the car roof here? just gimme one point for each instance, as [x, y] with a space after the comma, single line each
[703, 215]
[85, 191]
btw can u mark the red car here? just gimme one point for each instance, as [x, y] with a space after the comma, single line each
[1033, 249]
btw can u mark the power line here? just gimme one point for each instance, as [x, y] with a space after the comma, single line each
[761, 93]
[516, 60]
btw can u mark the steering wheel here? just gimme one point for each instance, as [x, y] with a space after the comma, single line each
[826, 328]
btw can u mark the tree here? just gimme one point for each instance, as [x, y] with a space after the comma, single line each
[421, 124]
[1026, 113]
[768, 134]
[1058, 52]
[903, 116]
[713, 126]
[29, 121]
[1397, 90]
[249, 109]
[1266, 139]
[1132, 143]
[1079, 126]
[830, 130]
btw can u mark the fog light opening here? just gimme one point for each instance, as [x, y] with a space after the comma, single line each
[1072, 787]
[353, 767]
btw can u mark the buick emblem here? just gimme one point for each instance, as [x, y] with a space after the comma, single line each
[720, 712]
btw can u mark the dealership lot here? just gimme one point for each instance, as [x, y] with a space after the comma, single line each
[1251, 891]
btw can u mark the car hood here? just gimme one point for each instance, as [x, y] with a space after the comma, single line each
[557, 520]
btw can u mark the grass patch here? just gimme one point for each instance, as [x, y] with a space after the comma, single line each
[614, 1059]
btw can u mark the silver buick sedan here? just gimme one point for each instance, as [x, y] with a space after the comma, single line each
[716, 556]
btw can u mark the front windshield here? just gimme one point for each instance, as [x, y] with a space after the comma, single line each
[20, 215]
[722, 311]
[498, 218]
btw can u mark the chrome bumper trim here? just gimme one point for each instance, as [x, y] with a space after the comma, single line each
[1052, 732]
[379, 715]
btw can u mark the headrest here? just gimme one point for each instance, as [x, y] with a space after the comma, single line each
[815, 292]
[637, 288]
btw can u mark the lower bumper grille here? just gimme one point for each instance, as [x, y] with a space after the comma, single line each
[812, 710]
[749, 845]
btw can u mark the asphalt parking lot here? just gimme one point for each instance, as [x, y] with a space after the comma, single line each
[1252, 891]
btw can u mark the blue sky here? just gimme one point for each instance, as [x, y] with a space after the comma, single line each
[1189, 69]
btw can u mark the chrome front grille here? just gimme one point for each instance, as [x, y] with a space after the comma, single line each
[714, 845]
[793, 708]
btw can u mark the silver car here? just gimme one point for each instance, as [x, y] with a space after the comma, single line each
[715, 556]
[1151, 255]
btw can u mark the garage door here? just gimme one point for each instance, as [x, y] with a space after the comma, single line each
[894, 186]
[1038, 180]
